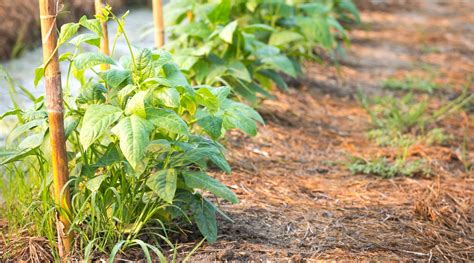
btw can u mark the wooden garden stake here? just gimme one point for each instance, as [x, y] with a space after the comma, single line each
[104, 41]
[159, 26]
[54, 100]
[190, 16]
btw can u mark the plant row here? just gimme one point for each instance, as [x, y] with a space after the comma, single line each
[143, 132]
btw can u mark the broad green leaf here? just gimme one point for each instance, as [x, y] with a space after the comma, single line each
[284, 37]
[218, 159]
[124, 93]
[90, 59]
[239, 70]
[168, 122]
[158, 146]
[201, 180]
[143, 64]
[206, 98]
[212, 125]
[136, 105]
[281, 63]
[204, 215]
[88, 38]
[221, 12]
[168, 97]
[91, 24]
[94, 184]
[133, 133]
[174, 75]
[227, 34]
[110, 156]
[97, 120]
[163, 183]
[115, 77]
[236, 120]
[67, 31]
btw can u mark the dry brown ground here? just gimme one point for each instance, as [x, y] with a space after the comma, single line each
[299, 201]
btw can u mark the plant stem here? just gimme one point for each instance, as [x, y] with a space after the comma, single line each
[54, 99]
[159, 26]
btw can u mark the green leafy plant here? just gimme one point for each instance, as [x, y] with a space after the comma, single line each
[249, 44]
[140, 139]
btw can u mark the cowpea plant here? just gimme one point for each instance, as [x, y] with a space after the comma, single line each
[299, 26]
[216, 48]
[140, 139]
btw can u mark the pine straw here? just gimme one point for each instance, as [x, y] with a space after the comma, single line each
[20, 247]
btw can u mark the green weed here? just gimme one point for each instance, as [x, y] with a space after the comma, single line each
[387, 169]
[409, 83]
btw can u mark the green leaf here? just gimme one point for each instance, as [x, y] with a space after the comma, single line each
[32, 141]
[89, 38]
[284, 37]
[97, 120]
[281, 63]
[204, 215]
[168, 97]
[94, 184]
[115, 77]
[67, 31]
[212, 125]
[218, 159]
[143, 66]
[90, 59]
[168, 122]
[239, 70]
[203, 181]
[133, 133]
[236, 120]
[136, 105]
[206, 98]
[221, 12]
[91, 24]
[110, 156]
[227, 34]
[163, 183]
[16, 156]
[174, 75]
[19, 130]
[39, 74]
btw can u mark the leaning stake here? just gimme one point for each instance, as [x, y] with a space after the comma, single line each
[54, 100]
[159, 26]
[104, 41]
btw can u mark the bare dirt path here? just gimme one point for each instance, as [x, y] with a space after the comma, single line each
[298, 199]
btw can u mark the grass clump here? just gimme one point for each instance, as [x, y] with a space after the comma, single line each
[411, 83]
[387, 169]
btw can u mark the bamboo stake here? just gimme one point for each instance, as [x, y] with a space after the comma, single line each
[190, 16]
[159, 26]
[54, 100]
[104, 41]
